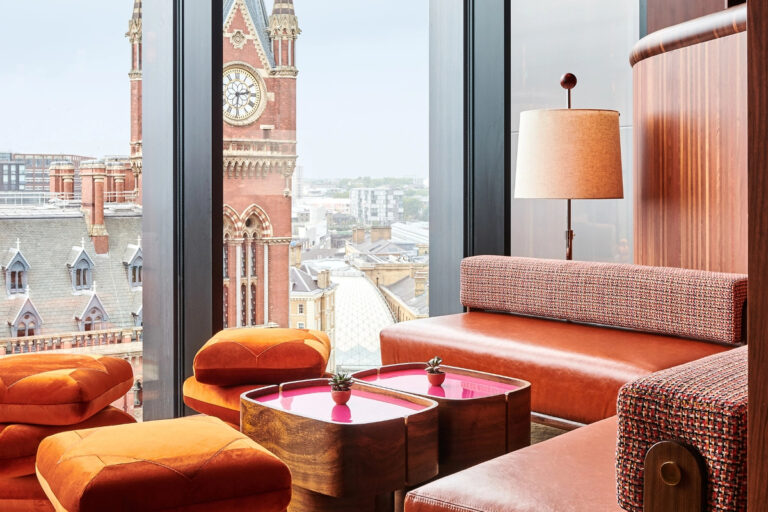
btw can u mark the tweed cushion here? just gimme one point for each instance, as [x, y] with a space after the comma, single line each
[703, 404]
[262, 356]
[677, 302]
[60, 389]
[19, 441]
[23, 494]
[222, 402]
[192, 464]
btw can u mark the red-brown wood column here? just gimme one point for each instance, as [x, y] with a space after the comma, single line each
[757, 42]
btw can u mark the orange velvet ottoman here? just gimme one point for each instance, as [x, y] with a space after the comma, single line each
[23, 494]
[194, 464]
[238, 360]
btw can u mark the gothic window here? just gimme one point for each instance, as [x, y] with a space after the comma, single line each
[225, 302]
[243, 303]
[82, 274]
[17, 278]
[94, 320]
[253, 259]
[136, 271]
[226, 262]
[253, 304]
[243, 262]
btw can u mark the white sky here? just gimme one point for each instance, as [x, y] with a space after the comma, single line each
[362, 90]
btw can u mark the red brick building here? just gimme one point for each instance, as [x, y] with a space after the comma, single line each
[259, 107]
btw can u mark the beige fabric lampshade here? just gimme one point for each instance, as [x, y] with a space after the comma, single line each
[569, 154]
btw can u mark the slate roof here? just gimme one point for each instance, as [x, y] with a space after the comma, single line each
[405, 289]
[302, 281]
[258, 13]
[47, 244]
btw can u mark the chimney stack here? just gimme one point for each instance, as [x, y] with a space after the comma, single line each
[420, 284]
[381, 233]
[117, 167]
[61, 175]
[324, 279]
[93, 175]
[358, 235]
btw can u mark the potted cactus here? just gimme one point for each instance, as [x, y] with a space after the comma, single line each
[340, 383]
[434, 373]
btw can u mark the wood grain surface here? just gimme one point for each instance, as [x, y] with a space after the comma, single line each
[675, 479]
[690, 129]
[758, 258]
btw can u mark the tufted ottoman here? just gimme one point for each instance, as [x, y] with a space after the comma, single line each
[238, 360]
[194, 464]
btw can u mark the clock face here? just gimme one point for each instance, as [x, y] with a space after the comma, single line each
[243, 95]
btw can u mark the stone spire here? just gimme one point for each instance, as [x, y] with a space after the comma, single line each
[283, 31]
[135, 76]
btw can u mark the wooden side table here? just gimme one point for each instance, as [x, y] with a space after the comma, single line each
[481, 415]
[344, 457]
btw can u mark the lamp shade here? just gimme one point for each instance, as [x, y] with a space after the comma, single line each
[569, 154]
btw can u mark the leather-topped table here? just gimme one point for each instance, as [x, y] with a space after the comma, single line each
[344, 457]
[481, 415]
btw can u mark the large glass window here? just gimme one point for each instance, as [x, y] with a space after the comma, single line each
[70, 196]
[551, 38]
[325, 167]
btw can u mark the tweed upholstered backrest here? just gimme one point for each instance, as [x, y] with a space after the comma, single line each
[677, 302]
[702, 404]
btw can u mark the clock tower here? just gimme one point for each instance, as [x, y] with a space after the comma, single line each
[259, 109]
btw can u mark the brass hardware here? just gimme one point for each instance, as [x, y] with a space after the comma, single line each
[670, 473]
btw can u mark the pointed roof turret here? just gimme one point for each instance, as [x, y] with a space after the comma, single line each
[134, 24]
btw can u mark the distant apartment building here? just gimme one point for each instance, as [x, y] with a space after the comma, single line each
[376, 206]
[37, 167]
[313, 301]
[12, 173]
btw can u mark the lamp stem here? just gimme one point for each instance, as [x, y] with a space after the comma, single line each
[569, 236]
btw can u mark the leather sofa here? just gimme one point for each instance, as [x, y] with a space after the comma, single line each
[577, 331]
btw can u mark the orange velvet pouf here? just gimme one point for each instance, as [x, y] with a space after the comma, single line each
[222, 402]
[19, 441]
[193, 464]
[262, 356]
[60, 389]
[23, 494]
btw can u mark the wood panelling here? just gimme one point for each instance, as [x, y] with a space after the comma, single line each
[664, 13]
[758, 258]
[690, 129]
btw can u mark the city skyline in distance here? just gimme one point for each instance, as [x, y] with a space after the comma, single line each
[362, 99]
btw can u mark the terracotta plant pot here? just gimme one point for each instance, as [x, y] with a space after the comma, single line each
[341, 397]
[436, 379]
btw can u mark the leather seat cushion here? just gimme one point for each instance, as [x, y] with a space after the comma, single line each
[193, 464]
[60, 389]
[222, 402]
[23, 494]
[573, 472]
[255, 355]
[575, 370]
[19, 441]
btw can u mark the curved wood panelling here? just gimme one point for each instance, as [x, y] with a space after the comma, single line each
[713, 26]
[690, 129]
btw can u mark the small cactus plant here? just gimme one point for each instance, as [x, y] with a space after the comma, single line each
[433, 365]
[340, 381]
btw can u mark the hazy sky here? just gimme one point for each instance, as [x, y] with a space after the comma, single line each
[362, 87]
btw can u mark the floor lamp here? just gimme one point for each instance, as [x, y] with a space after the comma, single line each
[569, 154]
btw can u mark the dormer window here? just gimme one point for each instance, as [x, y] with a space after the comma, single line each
[17, 278]
[81, 269]
[93, 317]
[136, 271]
[16, 269]
[134, 263]
[27, 321]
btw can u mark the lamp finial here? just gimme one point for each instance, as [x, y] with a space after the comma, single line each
[568, 82]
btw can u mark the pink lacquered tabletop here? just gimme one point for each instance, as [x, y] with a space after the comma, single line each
[456, 386]
[363, 407]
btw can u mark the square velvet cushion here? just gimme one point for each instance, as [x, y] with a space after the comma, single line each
[196, 464]
[19, 441]
[262, 356]
[60, 389]
[23, 494]
[222, 402]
